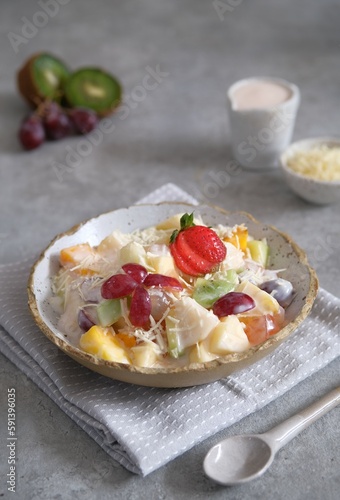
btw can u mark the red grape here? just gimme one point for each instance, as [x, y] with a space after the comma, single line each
[162, 281]
[136, 271]
[233, 303]
[140, 308]
[32, 133]
[57, 124]
[118, 286]
[84, 120]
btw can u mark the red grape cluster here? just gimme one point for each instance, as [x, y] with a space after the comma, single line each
[134, 283]
[52, 122]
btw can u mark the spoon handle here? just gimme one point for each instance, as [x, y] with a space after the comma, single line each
[283, 433]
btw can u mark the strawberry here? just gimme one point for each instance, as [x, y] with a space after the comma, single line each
[196, 250]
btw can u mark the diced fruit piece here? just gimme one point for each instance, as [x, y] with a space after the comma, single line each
[84, 321]
[280, 289]
[259, 251]
[265, 303]
[160, 303]
[140, 307]
[109, 311]
[41, 78]
[31, 133]
[231, 276]
[136, 271]
[129, 340]
[206, 292]
[100, 342]
[68, 321]
[186, 324]
[238, 238]
[81, 256]
[172, 222]
[233, 303]
[199, 353]
[93, 88]
[118, 286]
[109, 246]
[84, 120]
[197, 250]
[133, 253]
[161, 281]
[144, 354]
[228, 337]
[259, 328]
[162, 264]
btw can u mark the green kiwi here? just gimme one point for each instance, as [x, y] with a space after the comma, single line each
[93, 88]
[42, 77]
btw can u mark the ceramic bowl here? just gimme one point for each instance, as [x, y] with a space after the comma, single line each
[284, 254]
[312, 190]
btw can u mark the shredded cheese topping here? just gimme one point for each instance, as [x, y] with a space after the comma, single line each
[320, 163]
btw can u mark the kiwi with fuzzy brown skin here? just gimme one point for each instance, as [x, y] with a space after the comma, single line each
[95, 89]
[42, 78]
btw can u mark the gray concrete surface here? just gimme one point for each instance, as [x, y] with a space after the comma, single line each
[176, 132]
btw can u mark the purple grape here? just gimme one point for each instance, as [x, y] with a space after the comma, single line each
[32, 133]
[233, 303]
[280, 289]
[84, 120]
[57, 124]
[84, 321]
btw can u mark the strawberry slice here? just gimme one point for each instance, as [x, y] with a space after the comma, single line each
[196, 250]
[181, 262]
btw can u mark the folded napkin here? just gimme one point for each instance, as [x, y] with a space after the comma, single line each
[144, 428]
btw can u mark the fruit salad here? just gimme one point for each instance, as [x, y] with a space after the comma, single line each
[170, 295]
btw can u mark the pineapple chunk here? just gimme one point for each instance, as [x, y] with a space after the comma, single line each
[172, 222]
[110, 245]
[228, 337]
[132, 252]
[100, 342]
[265, 303]
[186, 324]
[144, 354]
[162, 264]
[199, 353]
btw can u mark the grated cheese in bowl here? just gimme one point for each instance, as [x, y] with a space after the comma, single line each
[320, 162]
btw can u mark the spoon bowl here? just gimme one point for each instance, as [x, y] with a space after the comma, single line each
[239, 459]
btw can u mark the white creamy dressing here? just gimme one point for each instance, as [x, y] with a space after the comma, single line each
[259, 94]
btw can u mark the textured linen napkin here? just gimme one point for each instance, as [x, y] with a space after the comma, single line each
[144, 428]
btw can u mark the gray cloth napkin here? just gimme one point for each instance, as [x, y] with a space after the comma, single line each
[144, 428]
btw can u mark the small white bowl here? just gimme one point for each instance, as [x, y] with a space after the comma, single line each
[312, 190]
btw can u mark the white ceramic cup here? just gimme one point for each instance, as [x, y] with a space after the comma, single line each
[259, 136]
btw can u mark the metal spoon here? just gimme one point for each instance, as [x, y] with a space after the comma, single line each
[239, 459]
